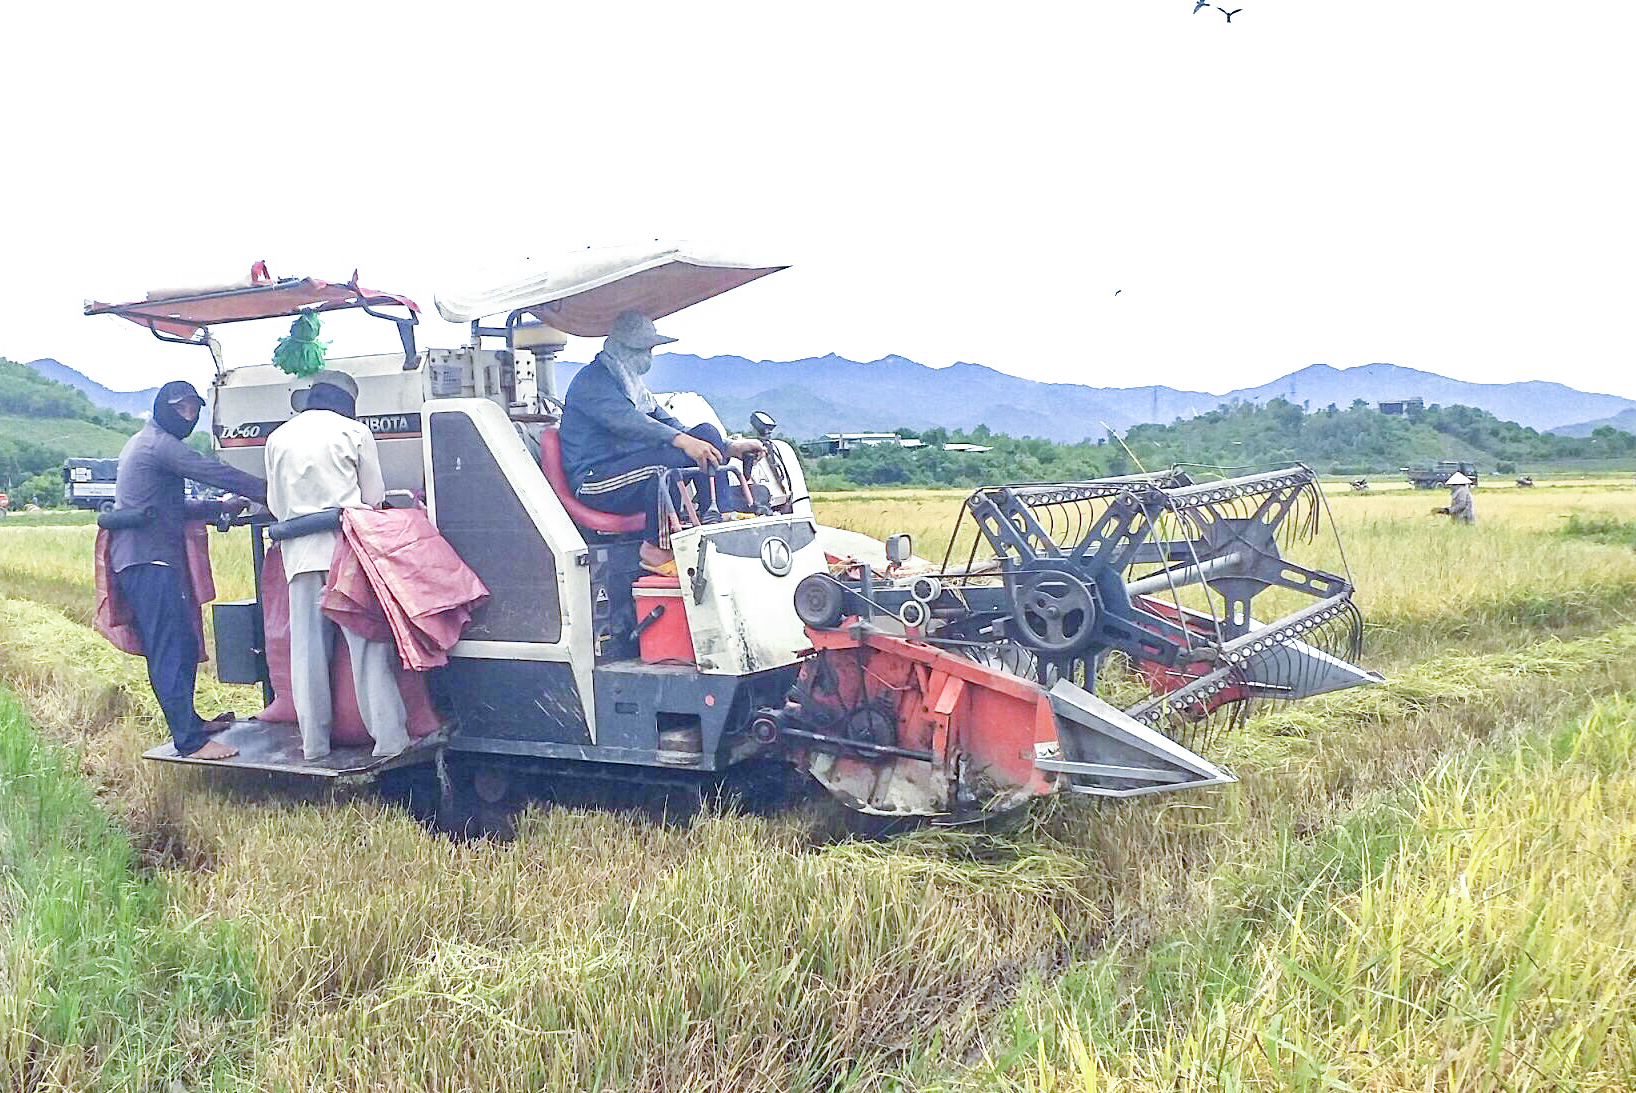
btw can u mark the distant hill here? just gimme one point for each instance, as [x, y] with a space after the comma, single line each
[829, 394]
[69, 436]
[1624, 421]
[1537, 404]
[135, 403]
[43, 422]
[832, 394]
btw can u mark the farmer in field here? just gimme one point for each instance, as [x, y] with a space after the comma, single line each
[149, 561]
[617, 440]
[318, 460]
[1459, 509]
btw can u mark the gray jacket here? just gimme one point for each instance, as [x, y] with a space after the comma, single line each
[600, 422]
[152, 467]
[1460, 506]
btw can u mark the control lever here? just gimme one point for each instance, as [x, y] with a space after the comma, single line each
[698, 571]
[647, 620]
[712, 512]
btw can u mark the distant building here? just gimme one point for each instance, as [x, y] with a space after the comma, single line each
[841, 443]
[1408, 405]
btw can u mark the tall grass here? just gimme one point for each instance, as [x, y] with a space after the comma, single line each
[600, 951]
[104, 989]
[1123, 942]
[1482, 941]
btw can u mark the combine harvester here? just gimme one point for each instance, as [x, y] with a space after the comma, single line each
[1093, 638]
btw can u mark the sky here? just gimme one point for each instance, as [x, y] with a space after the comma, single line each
[1110, 192]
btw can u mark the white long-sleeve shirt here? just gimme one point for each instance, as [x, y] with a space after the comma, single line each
[320, 460]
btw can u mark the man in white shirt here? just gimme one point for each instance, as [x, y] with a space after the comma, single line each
[323, 459]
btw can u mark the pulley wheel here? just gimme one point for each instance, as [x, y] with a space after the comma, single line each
[820, 601]
[913, 614]
[926, 588]
[1054, 611]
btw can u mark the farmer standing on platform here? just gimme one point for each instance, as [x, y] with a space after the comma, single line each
[320, 460]
[149, 561]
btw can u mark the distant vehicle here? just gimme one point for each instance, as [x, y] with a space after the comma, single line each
[89, 483]
[1435, 477]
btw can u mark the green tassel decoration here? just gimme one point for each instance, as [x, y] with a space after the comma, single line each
[300, 353]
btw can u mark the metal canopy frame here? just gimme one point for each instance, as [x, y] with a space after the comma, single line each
[168, 319]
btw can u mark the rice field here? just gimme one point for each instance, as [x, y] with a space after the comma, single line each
[1425, 885]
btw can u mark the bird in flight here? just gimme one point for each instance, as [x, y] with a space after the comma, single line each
[1197, 4]
[1229, 14]
[1118, 291]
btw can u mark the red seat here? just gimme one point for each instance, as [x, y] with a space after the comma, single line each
[607, 523]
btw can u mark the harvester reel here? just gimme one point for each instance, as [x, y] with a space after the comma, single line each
[1105, 630]
[1054, 611]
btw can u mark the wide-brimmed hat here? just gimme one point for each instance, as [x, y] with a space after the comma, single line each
[1458, 479]
[635, 330]
[298, 398]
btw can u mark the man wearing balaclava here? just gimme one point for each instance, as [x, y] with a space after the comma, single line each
[617, 439]
[150, 561]
[324, 459]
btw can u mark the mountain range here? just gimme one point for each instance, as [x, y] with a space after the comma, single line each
[1624, 421]
[135, 403]
[829, 394]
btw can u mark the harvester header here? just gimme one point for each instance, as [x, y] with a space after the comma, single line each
[1117, 618]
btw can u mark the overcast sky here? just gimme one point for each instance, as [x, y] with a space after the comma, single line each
[1439, 185]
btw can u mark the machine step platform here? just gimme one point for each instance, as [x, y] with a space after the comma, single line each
[275, 747]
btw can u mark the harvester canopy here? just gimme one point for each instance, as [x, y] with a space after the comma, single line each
[185, 315]
[582, 293]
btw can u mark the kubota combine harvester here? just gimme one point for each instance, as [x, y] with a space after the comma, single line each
[1090, 637]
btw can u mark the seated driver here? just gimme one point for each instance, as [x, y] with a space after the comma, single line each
[617, 439]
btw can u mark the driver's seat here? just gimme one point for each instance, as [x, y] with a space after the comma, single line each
[604, 523]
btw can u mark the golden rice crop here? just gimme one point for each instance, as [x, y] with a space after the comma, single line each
[600, 950]
[1492, 948]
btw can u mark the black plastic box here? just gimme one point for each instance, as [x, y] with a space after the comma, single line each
[239, 645]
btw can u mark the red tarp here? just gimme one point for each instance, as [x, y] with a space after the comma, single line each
[394, 578]
[111, 617]
[347, 730]
[183, 316]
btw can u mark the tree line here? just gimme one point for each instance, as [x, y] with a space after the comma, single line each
[1358, 440]
[30, 467]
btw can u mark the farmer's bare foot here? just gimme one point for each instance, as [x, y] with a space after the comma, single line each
[213, 749]
[652, 555]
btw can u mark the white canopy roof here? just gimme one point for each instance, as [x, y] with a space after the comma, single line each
[580, 293]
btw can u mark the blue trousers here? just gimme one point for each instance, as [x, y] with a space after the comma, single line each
[630, 483]
[163, 607]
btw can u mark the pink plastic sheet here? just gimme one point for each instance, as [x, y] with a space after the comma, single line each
[394, 577]
[348, 728]
[111, 616]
